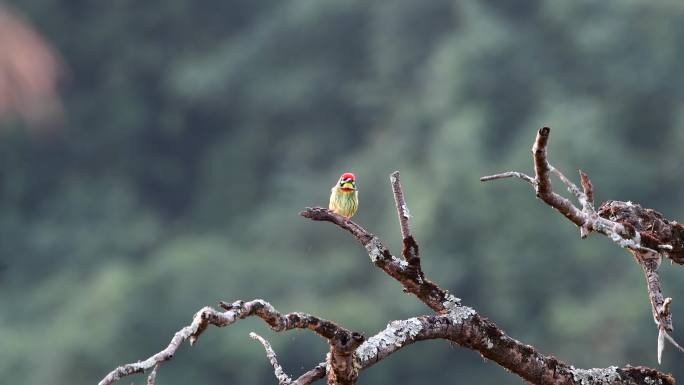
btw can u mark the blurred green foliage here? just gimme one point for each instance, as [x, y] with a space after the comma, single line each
[196, 131]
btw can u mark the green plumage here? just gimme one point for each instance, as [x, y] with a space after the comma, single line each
[344, 203]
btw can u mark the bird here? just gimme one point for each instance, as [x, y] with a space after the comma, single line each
[344, 197]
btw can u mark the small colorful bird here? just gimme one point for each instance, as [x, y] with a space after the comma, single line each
[344, 198]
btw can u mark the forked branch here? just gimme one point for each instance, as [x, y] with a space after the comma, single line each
[349, 353]
[472, 330]
[341, 341]
[644, 232]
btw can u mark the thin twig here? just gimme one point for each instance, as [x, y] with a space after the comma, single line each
[508, 174]
[283, 378]
[572, 187]
[673, 342]
[153, 376]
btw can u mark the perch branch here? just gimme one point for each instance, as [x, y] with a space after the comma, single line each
[462, 324]
[411, 278]
[642, 231]
[341, 340]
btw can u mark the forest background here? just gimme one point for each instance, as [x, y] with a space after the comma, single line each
[194, 132]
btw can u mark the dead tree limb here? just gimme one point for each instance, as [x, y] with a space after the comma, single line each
[464, 326]
[402, 209]
[342, 341]
[644, 232]
[153, 375]
[283, 379]
[350, 353]
[469, 329]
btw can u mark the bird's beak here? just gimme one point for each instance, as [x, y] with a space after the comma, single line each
[347, 183]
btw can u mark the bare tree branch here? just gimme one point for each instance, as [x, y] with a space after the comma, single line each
[411, 278]
[153, 376]
[588, 189]
[660, 306]
[402, 209]
[624, 233]
[661, 313]
[508, 174]
[312, 375]
[464, 326]
[643, 231]
[283, 378]
[409, 250]
[542, 170]
[349, 353]
[341, 340]
[493, 344]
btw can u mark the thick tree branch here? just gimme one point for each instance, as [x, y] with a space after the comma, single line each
[340, 361]
[469, 329]
[341, 340]
[643, 231]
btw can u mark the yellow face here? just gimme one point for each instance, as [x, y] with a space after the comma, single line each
[347, 184]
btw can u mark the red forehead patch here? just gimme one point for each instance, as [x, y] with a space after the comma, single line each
[348, 175]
